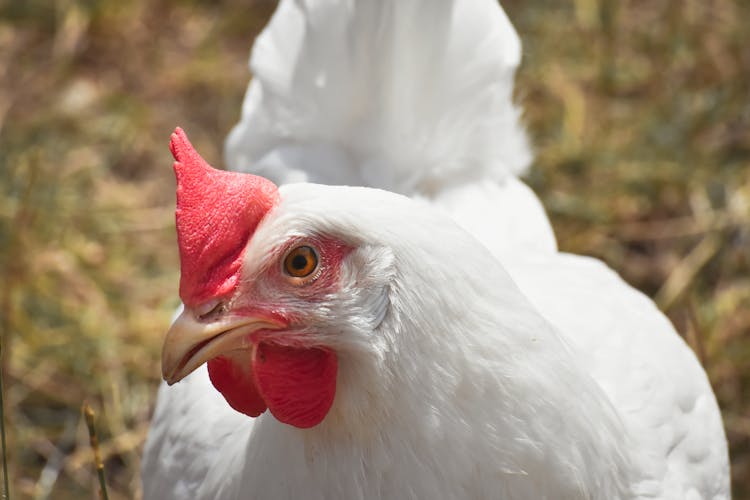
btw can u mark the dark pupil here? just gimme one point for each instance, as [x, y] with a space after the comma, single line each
[299, 262]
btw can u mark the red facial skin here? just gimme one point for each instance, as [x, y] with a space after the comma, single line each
[295, 381]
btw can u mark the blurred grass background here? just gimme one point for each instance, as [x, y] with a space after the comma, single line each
[640, 115]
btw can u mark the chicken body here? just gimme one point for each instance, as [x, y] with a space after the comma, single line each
[485, 399]
[474, 360]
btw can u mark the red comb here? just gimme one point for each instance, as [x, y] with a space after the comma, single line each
[217, 213]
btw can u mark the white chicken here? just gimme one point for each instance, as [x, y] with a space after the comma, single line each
[366, 344]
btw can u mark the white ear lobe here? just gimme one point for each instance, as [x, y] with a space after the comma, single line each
[370, 266]
[366, 276]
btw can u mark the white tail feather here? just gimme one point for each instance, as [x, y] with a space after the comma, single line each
[406, 95]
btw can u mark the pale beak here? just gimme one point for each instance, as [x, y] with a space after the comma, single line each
[190, 341]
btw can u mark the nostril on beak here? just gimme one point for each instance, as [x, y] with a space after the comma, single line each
[208, 309]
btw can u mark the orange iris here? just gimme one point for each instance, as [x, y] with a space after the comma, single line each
[301, 262]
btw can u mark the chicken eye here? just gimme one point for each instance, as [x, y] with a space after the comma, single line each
[301, 262]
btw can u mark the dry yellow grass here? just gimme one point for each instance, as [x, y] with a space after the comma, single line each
[639, 111]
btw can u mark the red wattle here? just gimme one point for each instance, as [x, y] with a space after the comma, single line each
[298, 385]
[235, 381]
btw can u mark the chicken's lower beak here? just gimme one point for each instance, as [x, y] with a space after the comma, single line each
[190, 342]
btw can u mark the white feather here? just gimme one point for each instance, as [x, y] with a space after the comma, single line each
[411, 96]
[463, 389]
[472, 402]
[546, 377]
[649, 374]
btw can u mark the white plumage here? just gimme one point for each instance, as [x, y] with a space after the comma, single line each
[466, 370]
[414, 97]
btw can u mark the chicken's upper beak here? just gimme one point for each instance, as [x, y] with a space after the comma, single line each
[191, 341]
